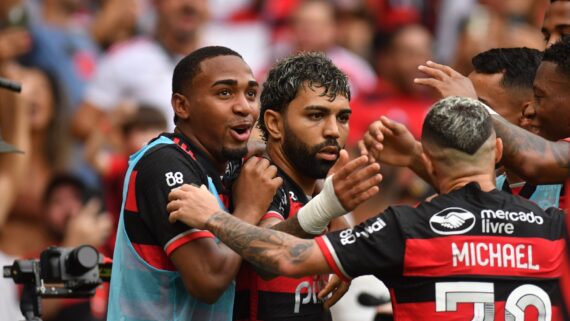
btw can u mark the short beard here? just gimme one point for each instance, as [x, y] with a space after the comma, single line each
[234, 153]
[304, 158]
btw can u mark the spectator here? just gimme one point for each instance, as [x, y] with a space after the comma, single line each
[140, 70]
[313, 28]
[136, 129]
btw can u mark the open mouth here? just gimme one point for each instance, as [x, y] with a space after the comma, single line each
[241, 132]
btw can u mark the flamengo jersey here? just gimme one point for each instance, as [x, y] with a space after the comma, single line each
[281, 298]
[145, 284]
[466, 255]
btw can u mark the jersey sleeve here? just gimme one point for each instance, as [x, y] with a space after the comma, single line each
[279, 206]
[159, 173]
[374, 247]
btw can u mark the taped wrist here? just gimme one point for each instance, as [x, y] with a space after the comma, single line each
[316, 215]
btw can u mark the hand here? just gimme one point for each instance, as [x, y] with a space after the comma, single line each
[254, 189]
[355, 181]
[390, 142]
[337, 288]
[191, 205]
[89, 226]
[446, 81]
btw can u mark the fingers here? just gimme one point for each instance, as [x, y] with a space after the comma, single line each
[337, 288]
[444, 68]
[430, 82]
[173, 217]
[395, 127]
[350, 167]
[340, 162]
[433, 72]
[329, 288]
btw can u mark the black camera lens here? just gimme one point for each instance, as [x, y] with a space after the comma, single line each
[81, 260]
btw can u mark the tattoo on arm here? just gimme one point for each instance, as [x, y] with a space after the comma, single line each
[521, 146]
[266, 249]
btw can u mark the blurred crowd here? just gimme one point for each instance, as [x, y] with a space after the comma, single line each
[96, 78]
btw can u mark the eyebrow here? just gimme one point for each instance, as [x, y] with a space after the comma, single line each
[325, 109]
[233, 82]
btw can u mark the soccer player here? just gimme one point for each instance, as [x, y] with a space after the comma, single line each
[304, 120]
[472, 250]
[164, 271]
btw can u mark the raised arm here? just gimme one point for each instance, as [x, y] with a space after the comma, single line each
[530, 156]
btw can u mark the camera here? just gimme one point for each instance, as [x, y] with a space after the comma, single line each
[59, 273]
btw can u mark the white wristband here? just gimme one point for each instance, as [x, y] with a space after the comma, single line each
[490, 110]
[316, 215]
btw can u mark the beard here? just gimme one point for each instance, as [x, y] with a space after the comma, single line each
[234, 153]
[304, 157]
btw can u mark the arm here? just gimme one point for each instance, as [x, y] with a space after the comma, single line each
[532, 157]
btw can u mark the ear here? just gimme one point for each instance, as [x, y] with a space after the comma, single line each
[528, 112]
[274, 124]
[498, 150]
[181, 106]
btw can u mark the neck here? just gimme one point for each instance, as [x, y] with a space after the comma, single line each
[176, 45]
[485, 180]
[220, 165]
[278, 157]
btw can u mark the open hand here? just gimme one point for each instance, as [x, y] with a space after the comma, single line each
[355, 181]
[446, 81]
[390, 142]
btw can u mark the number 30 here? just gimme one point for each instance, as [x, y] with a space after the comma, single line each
[482, 295]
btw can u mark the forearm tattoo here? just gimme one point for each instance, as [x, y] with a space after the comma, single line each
[266, 249]
[520, 145]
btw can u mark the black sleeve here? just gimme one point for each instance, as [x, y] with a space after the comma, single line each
[374, 247]
[279, 207]
[157, 174]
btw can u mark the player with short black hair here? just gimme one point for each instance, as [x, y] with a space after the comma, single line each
[164, 271]
[472, 250]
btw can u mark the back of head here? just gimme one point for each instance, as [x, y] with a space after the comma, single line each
[145, 117]
[290, 74]
[189, 67]
[518, 65]
[458, 123]
[559, 54]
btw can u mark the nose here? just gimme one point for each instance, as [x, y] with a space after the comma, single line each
[244, 106]
[331, 129]
[554, 37]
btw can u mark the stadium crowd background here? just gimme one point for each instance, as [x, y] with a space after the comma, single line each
[96, 78]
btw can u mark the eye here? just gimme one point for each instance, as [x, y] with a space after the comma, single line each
[252, 93]
[224, 93]
[546, 36]
[343, 118]
[316, 116]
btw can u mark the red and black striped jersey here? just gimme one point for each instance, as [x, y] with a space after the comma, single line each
[465, 255]
[280, 298]
[164, 167]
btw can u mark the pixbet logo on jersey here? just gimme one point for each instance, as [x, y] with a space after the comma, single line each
[452, 221]
[348, 237]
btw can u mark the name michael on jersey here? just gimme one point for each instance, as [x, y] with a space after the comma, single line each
[482, 254]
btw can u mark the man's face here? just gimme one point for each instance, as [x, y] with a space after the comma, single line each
[411, 48]
[63, 204]
[551, 102]
[491, 92]
[315, 131]
[182, 17]
[314, 27]
[556, 22]
[224, 106]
